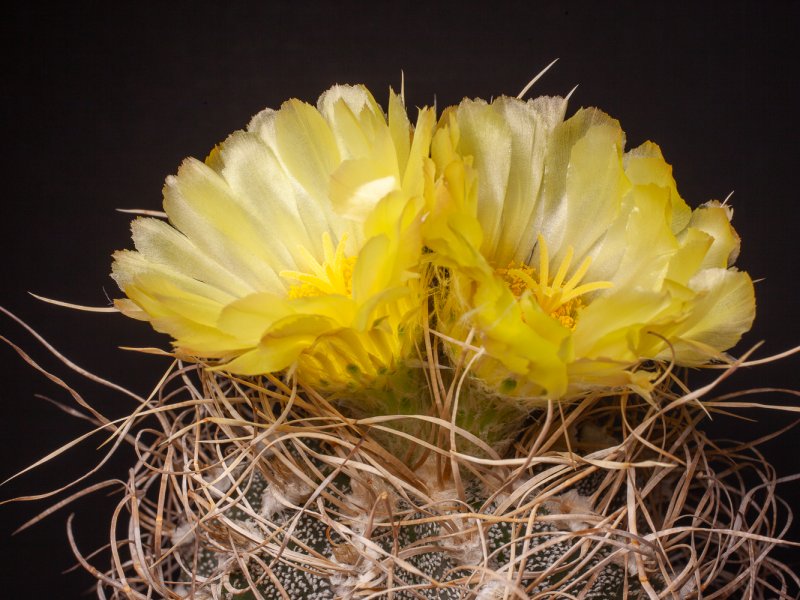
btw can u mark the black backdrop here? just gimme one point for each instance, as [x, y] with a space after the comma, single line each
[101, 102]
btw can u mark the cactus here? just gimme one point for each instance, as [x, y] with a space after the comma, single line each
[253, 491]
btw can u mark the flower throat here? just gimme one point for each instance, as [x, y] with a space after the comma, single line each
[558, 298]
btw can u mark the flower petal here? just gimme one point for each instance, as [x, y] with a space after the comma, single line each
[508, 140]
[723, 310]
[714, 219]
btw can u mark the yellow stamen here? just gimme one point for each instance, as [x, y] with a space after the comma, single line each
[567, 313]
[519, 278]
[544, 262]
[560, 300]
[333, 276]
[562, 270]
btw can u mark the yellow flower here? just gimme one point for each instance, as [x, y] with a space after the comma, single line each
[294, 246]
[569, 261]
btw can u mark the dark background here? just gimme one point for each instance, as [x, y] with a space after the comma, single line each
[101, 102]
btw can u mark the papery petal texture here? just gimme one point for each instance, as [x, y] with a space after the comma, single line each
[569, 263]
[312, 241]
[295, 246]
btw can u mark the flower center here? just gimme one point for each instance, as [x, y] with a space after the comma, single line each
[334, 275]
[560, 299]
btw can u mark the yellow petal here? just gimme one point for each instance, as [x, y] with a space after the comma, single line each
[650, 244]
[355, 119]
[161, 244]
[611, 326]
[715, 219]
[485, 136]
[688, 260]
[133, 269]
[271, 358]
[307, 147]
[200, 204]
[359, 184]
[400, 129]
[645, 165]
[723, 310]
[557, 204]
[256, 267]
[416, 174]
[595, 184]
[249, 317]
[271, 199]
[508, 140]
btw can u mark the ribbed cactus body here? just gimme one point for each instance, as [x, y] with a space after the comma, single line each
[437, 554]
